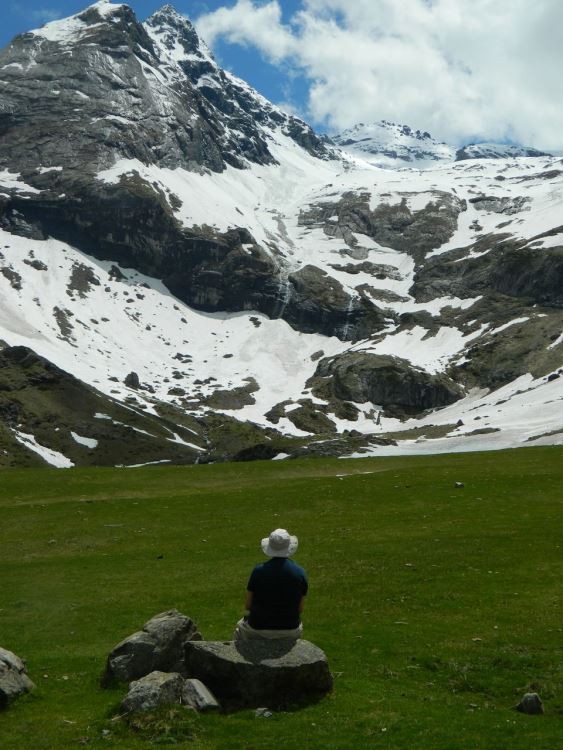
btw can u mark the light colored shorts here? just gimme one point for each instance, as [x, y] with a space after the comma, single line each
[244, 632]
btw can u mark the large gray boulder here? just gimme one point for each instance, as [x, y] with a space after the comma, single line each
[159, 646]
[260, 672]
[156, 689]
[13, 677]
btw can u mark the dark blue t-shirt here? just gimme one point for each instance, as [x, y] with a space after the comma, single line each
[277, 588]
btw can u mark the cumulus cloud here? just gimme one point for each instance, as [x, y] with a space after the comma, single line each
[462, 69]
[249, 24]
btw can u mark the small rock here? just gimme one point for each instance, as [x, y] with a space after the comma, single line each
[531, 703]
[262, 713]
[132, 381]
[156, 689]
[197, 695]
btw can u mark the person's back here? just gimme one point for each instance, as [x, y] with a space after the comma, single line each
[275, 594]
[277, 587]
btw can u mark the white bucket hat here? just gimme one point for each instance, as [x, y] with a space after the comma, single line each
[279, 544]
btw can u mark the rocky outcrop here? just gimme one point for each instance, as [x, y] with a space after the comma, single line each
[14, 681]
[257, 673]
[496, 264]
[501, 204]
[318, 303]
[495, 151]
[389, 382]
[211, 271]
[394, 225]
[159, 647]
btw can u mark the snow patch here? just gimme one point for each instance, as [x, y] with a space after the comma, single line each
[50, 456]
[12, 180]
[87, 442]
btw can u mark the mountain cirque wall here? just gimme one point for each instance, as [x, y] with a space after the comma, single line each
[190, 274]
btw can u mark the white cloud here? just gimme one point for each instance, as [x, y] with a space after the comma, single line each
[462, 69]
[250, 24]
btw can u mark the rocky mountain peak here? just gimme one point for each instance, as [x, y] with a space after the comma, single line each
[176, 36]
[92, 21]
[384, 143]
[129, 90]
[389, 144]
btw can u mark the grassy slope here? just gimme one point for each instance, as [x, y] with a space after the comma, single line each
[406, 574]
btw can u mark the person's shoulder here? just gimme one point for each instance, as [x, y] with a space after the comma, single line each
[297, 568]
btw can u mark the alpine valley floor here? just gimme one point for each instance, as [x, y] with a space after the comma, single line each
[437, 607]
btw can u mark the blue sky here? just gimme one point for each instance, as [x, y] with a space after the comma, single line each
[464, 70]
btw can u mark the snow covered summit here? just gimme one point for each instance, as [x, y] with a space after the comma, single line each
[387, 143]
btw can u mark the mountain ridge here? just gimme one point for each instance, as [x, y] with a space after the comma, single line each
[389, 144]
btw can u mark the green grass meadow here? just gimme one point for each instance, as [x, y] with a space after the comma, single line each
[437, 607]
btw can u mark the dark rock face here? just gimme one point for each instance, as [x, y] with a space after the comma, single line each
[159, 646]
[509, 267]
[389, 382]
[309, 419]
[502, 205]
[318, 303]
[257, 673]
[14, 681]
[132, 381]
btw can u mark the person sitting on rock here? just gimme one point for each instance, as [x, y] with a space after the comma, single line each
[275, 594]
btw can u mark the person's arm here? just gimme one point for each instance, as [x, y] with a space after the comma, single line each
[304, 592]
[248, 600]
